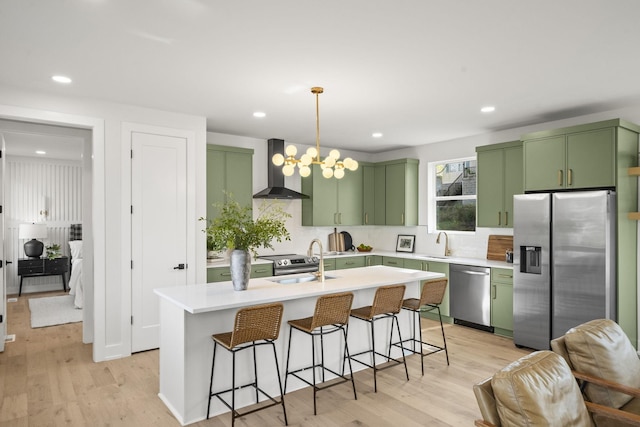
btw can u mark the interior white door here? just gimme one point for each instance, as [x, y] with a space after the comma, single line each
[159, 220]
[3, 270]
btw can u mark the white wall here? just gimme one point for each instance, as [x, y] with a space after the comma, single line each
[112, 325]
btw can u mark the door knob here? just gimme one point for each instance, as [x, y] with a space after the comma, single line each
[180, 267]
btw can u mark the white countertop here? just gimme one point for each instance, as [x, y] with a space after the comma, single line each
[221, 296]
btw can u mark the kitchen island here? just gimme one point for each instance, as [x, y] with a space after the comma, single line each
[191, 314]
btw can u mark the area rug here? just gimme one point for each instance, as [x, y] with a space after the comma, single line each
[51, 311]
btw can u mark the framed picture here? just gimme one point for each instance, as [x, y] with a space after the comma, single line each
[405, 243]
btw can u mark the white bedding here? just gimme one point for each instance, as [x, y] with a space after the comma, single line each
[75, 282]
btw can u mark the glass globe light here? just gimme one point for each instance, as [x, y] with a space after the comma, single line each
[335, 154]
[327, 172]
[277, 159]
[305, 171]
[322, 166]
[291, 150]
[354, 165]
[338, 173]
[287, 170]
[306, 159]
[329, 162]
[347, 162]
[312, 151]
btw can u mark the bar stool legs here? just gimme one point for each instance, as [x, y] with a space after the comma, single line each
[331, 315]
[386, 304]
[254, 326]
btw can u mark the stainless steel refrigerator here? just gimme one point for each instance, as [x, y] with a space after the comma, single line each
[564, 263]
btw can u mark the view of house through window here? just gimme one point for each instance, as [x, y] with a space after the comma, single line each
[453, 199]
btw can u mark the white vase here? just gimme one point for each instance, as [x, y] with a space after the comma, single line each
[240, 269]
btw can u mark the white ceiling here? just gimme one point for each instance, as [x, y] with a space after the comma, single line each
[416, 70]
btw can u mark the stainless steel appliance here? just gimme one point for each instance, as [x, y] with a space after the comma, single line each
[564, 263]
[470, 295]
[292, 264]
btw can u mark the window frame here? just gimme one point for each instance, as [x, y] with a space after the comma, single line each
[433, 199]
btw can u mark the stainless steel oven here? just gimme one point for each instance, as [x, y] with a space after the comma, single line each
[293, 264]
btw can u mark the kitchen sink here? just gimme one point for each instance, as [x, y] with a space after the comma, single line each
[336, 253]
[299, 279]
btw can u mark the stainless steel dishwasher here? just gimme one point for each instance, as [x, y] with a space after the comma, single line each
[470, 296]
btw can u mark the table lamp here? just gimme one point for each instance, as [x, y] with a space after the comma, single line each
[33, 248]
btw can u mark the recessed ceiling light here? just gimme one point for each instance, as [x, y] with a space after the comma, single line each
[259, 114]
[377, 134]
[488, 109]
[41, 152]
[61, 79]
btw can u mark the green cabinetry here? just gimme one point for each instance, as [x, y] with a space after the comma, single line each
[223, 274]
[502, 301]
[401, 192]
[393, 261]
[229, 169]
[500, 177]
[373, 260]
[329, 264]
[332, 201]
[350, 262]
[438, 267]
[571, 158]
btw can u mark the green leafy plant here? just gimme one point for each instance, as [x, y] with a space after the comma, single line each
[235, 228]
[53, 251]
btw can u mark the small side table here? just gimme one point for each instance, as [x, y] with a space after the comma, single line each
[37, 267]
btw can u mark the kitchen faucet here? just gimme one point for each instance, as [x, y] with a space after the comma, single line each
[447, 251]
[320, 273]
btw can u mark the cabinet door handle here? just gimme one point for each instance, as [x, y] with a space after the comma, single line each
[260, 271]
[499, 218]
[402, 219]
[506, 218]
[339, 217]
[510, 276]
[493, 291]
[366, 218]
[334, 217]
[560, 177]
[570, 177]
[225, 274]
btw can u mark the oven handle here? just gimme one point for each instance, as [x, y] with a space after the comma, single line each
[285, 271]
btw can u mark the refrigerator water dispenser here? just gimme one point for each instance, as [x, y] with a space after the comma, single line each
[531, 259]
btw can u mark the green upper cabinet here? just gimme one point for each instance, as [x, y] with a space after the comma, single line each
[368, 194]
[229, 169]
[380, 205]
[571, 158]
[499, 179]
[401, 192]
[332, 201]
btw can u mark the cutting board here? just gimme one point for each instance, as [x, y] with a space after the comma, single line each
[497, 246]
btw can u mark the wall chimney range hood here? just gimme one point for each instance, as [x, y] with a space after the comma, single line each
[275, 177]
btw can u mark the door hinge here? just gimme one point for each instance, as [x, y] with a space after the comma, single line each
[131, 209]
[132, 264]
[132, 154]
[0, 208]
[132, 320]
[1, 318]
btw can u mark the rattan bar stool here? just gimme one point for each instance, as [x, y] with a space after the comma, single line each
[430, 299]
[386, 303]
[254, 326]
[331, 315]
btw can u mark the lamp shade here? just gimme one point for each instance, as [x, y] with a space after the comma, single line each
[32, 231]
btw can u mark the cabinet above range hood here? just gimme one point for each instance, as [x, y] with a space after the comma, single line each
[275, 177]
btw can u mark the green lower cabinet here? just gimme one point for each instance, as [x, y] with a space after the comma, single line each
[223, 274]
[392, 261]
[261, 270]
[502, 301]
[373, 260]
[414, 264]
[329, 264]
[350, 262]
[440, 267]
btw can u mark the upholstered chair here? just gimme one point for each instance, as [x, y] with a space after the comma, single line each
[606, 365]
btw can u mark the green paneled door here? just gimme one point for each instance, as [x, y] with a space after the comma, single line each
[489, 187]
[350, 198]
[368, 194]
[544, 163]
[229, 169]
[591, 159]
[513, 180]
[239, 177]
[380, 203]
[441, 267]
[350, 262]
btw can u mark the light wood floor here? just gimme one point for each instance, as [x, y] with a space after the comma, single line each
[47, 378]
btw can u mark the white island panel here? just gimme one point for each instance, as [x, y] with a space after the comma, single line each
[191, 314]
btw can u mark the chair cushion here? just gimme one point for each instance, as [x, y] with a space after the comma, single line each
[600, 348]
[539, 390]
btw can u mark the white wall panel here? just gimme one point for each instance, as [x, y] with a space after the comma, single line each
[33, 185]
